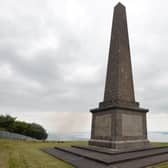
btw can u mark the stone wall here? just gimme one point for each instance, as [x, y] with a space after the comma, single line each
[9, 135]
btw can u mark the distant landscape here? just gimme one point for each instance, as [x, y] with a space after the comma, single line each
[154, 136]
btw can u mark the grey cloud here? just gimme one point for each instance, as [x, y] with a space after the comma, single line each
[57, 54]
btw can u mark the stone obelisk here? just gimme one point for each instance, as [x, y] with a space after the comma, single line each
[119, 122]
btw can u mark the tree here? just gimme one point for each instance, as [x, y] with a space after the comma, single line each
[28, 129]
[6, 121]
[19, 127]
[37, 131]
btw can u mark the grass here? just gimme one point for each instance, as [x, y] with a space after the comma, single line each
[24, 154]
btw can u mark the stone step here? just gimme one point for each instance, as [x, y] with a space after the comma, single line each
[143, 162]
[82, 162]
[111, 159]
[102, 158]
[97, 149]
[74, 160]
[115, 151]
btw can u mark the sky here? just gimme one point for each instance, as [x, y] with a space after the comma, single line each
[53, 58]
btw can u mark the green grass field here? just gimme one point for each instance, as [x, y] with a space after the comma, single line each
[23, 154]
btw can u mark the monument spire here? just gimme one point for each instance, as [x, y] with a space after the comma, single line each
[119, 81]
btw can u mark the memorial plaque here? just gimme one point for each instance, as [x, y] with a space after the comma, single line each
[128, 129]
[103, 125]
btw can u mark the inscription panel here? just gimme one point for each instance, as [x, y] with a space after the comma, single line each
[132, 125]
[103, 125]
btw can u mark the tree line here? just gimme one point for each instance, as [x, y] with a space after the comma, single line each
[9, 123]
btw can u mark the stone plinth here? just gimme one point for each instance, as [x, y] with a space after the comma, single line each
[119, 127]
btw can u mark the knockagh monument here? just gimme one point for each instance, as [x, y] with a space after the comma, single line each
[119, 132]
[119, 122]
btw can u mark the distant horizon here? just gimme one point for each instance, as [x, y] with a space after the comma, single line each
[153, 136]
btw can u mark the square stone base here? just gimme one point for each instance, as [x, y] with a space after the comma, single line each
[119, 128]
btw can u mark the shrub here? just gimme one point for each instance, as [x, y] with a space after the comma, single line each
[37, 131]
[6, 121]
[28, 129]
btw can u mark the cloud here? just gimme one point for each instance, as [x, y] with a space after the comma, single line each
[46, 58]
[53, 54]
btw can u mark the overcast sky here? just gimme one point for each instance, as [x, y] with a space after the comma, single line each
[53, 57]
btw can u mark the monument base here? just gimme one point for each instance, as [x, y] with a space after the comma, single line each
[119, 127]
[132, 144]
